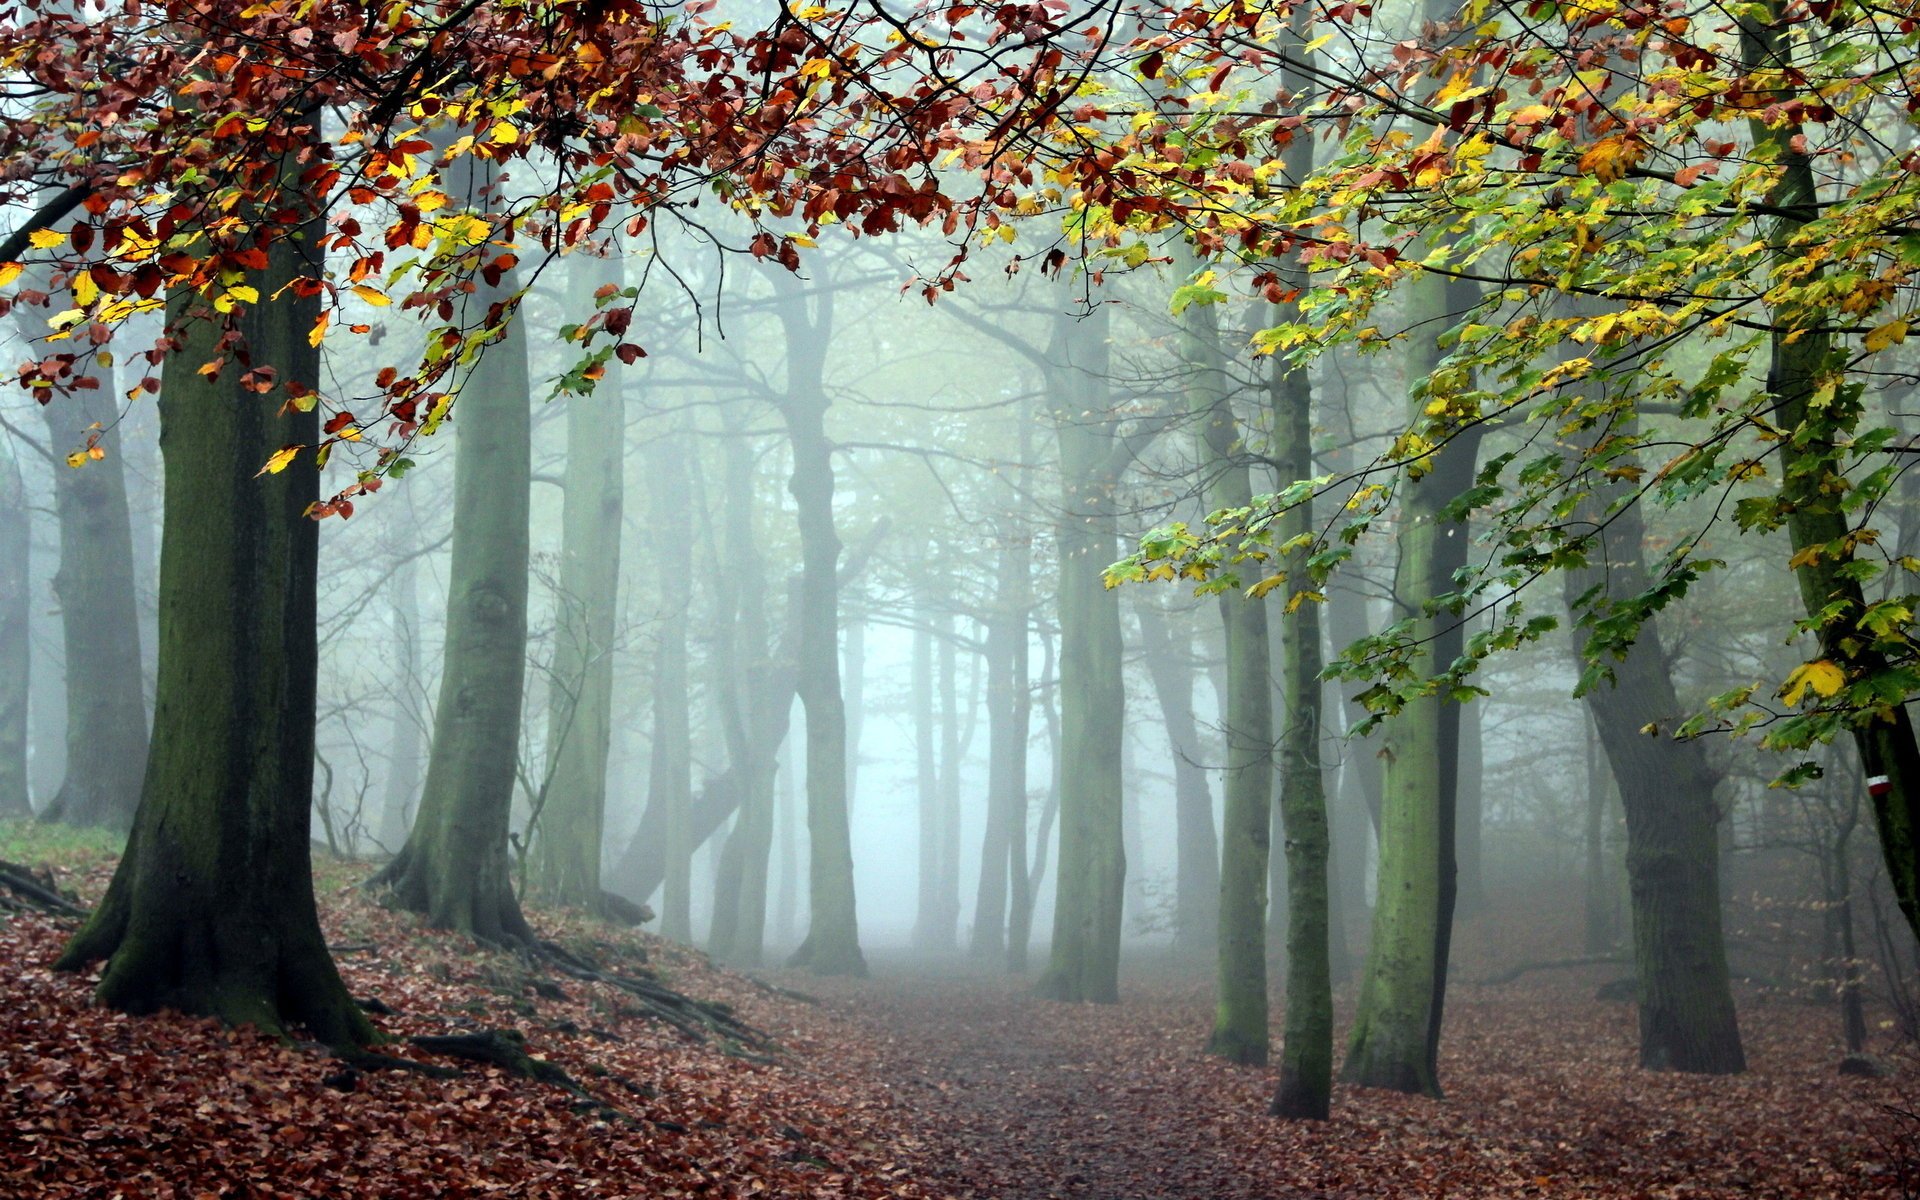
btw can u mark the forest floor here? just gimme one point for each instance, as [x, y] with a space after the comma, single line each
[919, 1083]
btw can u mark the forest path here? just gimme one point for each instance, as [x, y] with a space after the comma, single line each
[1036, 1100]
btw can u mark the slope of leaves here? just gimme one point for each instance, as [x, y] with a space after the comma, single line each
[94, 1103]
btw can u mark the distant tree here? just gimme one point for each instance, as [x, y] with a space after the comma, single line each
[16, 608]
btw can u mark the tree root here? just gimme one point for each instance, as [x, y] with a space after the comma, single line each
[697, 1019]
[503, 1048]
[22, 890]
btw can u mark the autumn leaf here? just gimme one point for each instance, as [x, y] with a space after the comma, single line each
[1610, 158]
[1890, 334]
[46, 239]
[1822, 677]
[280, 460]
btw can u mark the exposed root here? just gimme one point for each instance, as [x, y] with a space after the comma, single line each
[22, 890]
[697, 1019]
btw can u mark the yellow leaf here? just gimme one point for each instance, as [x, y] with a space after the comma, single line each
[244, 294]
[318, 333]
[1610, 158]
[46, 239]
[1822, 675]
[1264, 586]
[1890, 334]
[85, 290]
[279, 462]
[372, 295]
[77, 459]
[504, 132]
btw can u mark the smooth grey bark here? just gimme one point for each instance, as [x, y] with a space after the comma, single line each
[926, 915]
[454, 868]
[572, 800]
[832, 944]
[211, 907]
[16, 610]
[1598, 907]
[1170, 668]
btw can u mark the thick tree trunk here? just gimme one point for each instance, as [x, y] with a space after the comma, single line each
[454, 868]
[16, 611]
[1009, 704]
[1091, 878]
[106, 702]
[832, 944]
[1306, 1062]
[1169, 662]
[567, 845]
[211, 909]
[1666, 785]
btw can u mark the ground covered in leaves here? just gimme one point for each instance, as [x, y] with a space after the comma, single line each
[915, 1084]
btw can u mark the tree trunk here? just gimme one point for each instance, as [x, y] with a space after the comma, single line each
[670, 766]
[832, 944]
[1395, 1039]
[1084, 964]
[951, 753]
[580, 692]
[1169, 662]
[1003, 850]
[106, 703]
[16, 610]
[1666, 785]
[211, 908]
[1240, 983]
[1811, 491]
[926, 919]
[1598, 905]
[454, 868]
[404, 742]
[1306, 1062]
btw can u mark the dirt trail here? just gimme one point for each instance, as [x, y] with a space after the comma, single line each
[1040, 1100]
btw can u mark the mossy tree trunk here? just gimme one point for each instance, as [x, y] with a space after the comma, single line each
[1396, 1033]
[211, 909]
[454, 868]
[99, 621]
[16, 610]
[567, 848]
[1813, 491]
[1305, 1088]
[832, 944]
[1240, 981]
[1084, 964]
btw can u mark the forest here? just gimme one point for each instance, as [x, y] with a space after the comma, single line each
[1108, 599]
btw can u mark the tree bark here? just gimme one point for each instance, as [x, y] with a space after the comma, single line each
[106, 702]
[16, 611]
[1305, 1088]
[567, 848]
[1084, 964]
[670, 767]
[1196, 908]
[1666, 785]
[832, 944]
[211, 908]
[454, 867]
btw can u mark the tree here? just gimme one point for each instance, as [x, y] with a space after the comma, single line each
[211, 908]
[15, 610]
[580, 699]
[832, 944]
[454, 867]
[1240, 989]
[100, 630]
[670, 766]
